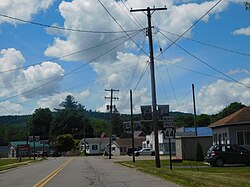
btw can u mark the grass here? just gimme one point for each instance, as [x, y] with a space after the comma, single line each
[9, 163]
[188, 173]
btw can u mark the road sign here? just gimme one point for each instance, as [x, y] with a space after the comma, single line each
[163, 111]
[146, 112]
[168, 121]
[169, 133]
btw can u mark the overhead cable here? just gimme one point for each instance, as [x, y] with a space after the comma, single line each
[11, 97]
[191, 27]
[202, 61]
[63, 28]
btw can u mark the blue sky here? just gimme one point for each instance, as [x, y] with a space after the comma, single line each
[32, 76]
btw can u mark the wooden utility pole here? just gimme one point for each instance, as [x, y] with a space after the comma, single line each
[195, 125]
[132, 126]
[153, 89]
[110, 109]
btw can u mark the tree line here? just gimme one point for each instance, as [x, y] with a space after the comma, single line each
[72, 122]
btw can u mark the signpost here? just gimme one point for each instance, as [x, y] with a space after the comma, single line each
[169, 133]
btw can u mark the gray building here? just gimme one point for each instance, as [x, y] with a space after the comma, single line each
[233, 129]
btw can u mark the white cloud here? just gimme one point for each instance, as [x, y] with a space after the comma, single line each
[242, 31]
[238, 71]
[24, 9]
[7, 108]
[19, 81]
[216, 96]
[56, 99]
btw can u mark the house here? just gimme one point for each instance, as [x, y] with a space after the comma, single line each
[163, 143]
[233, 129]
[115, 149]
[126, 143]
[26, 148]
[94, 146]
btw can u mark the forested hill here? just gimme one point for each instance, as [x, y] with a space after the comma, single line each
[14, 120]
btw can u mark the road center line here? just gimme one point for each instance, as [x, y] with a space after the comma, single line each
[46, 179]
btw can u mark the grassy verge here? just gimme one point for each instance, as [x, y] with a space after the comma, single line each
[190, 173]
[7, 163]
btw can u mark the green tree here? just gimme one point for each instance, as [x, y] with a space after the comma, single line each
[203, 120]
[247, 5]
[40, 122]
[233, 107]
[64, 143]
[71, 120]
[69, 102]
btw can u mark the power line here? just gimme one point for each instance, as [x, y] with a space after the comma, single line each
[11, 97]
[232, 79]
[191, 27]
[121, 27]
[210, 45]
[63, 28]
[71, 54]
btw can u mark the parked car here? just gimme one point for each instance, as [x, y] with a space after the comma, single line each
[130, 151]
[145, 151]
[218, 155]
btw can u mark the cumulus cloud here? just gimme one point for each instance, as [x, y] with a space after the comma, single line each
[55, 100]
[8, 107]
[24, 9]
[216, 96]
[242, 31]
[16, 80]
[78, 14]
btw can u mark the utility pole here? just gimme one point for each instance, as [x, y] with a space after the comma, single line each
[132, 126]
[195, 125]
[110, 109]
[153, 89]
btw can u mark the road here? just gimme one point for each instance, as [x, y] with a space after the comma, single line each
[94, 171]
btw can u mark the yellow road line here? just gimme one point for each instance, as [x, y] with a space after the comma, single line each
[46, 179]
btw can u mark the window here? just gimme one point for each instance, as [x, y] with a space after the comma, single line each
[94, 147]
[247, 137]
[240, 138]
[243, 137]
[215, 138]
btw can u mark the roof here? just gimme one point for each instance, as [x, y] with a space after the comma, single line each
[201, 131]
[242, 116]
[95, 140]
[37, 144]
[139, 134]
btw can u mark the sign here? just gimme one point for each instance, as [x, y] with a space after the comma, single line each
[169, 133]
[168, 121]
[146, 112]
[163, 111]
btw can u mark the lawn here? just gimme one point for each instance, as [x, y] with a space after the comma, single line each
[7, 163]
[190, 173]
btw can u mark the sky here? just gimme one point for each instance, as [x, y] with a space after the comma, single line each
[50, 49]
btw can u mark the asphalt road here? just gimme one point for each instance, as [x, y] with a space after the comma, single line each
[79, 171]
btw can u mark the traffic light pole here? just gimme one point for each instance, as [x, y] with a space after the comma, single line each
[153, 89]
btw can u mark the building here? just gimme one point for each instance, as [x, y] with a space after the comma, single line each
[94, 146]
[190, 131]
[163, 143]
[126, 143]
[26, 148]
[233, 129]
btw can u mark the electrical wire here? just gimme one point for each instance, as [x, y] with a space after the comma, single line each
[173, 42]
[11, 97]
[210, 45]
[71, 54]
[121, 27]
[63, 28]
[202, 61]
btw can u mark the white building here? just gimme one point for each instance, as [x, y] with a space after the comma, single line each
[163, 143]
